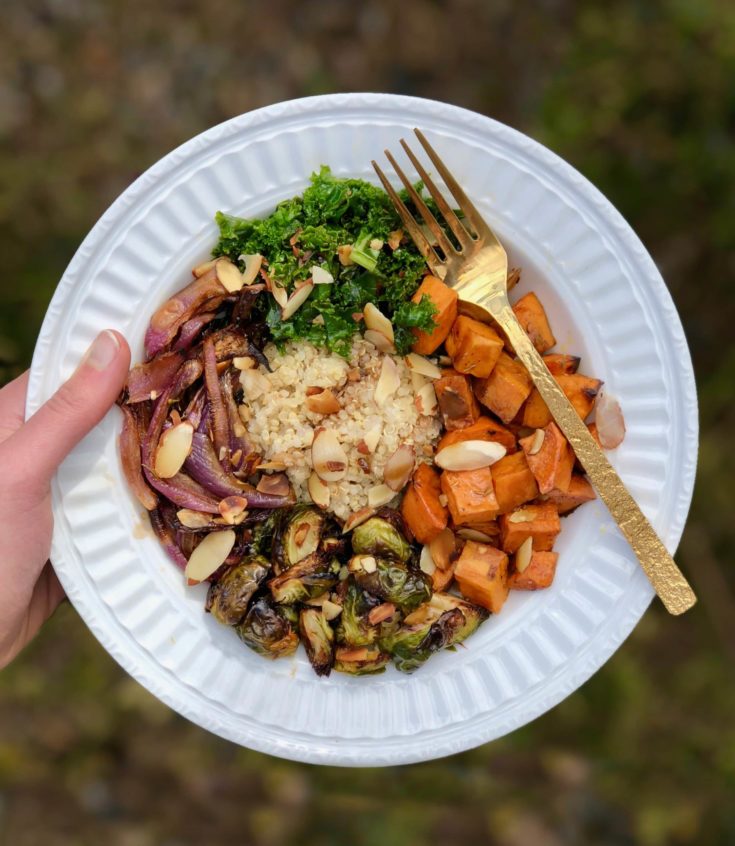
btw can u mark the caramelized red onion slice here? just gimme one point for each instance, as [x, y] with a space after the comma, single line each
[130, 458]
[184, 491]
[242, 456]
[166, 539]
[148, 381]
[219, 417]
[191, 330]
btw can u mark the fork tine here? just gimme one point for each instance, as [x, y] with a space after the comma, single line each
[423, 209]
[464, 202]
[414, 230]
[463, 236]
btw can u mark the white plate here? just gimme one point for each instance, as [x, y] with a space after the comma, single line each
[607, 302]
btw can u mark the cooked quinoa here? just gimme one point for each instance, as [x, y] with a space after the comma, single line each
[282, 427]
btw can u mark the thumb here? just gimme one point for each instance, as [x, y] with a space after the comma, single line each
[74, 410]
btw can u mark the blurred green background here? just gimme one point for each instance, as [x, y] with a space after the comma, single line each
[640, 97]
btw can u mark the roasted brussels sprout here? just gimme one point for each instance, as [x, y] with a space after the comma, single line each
[264, 530]
[391, 581]
[297, 536]
[379, 538]
[309, 578]
[473, 614]
[228, 599]
[362, 661]
[318, 639]
[267, 630]
[353, 628]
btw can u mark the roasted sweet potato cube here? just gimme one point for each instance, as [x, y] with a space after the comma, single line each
[487, 527]
[580, 390]
[559, 363]
[484, 429]
[470, 495]
[539, 521]
[532, 317]
[421, 508]
[538, 574]
[578, 492]
[445, 300]
[513, 481]
[482, 575]
[457, 403]
[474, 347]
[441, 579]
[551, 463]
[505, 389]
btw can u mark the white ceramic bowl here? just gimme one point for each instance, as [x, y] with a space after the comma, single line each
[606, 302]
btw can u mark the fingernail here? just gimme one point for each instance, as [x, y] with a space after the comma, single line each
[103, 351]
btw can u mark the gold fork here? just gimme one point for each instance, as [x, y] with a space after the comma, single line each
[477, 270]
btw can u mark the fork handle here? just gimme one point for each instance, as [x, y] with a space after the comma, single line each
[661, 569]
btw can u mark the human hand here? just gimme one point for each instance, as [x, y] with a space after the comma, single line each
[29, 456]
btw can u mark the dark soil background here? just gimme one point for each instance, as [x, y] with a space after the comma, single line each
[640, 97]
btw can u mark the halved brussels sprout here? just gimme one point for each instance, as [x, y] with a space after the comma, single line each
[353, 628]
[411, 645]
[264, 531]
[267, 630]
[305, 580]
[391, 581]
[360, 661]
[379, 538]
[473, 614]
[228, 598]
[297, 536]
[318, 639]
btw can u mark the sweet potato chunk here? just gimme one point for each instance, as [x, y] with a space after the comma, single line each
[559, 363]
[441, 579]
[421, 509]
[539, 521]
[482, 575]
[552, 463]
[532, 317]
[539, 573]
[473, 347]
[484, 429]
[580, 390]
[505, 389]
[457, 403]
[513, 481]
[445, 300]
[470, 495]
[578, 492]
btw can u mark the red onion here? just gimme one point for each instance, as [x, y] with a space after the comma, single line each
[166, 539]
[130, 458]
[220, 418]
[191, 330]
[147, 381]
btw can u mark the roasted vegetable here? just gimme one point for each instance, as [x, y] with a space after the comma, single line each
[532, 317]
[353, 626]
[297, 536]
[228, 598]
[579, 492]
[457, 403]
[470, 495]
[484, 429]
[318, 639]
[513, 481]
[393, 582]
[549, 457]
[379, 538]
[539, 521]
[360, 661]
[267, 630]
[311, 577]
[538, 574]
[505, 389]
[445, 301]
[421, 507]
[580, 391]
[473, 347]
[482, 575]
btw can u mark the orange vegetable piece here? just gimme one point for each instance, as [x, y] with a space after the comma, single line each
[532, 317]
[445, 300]
[559, 363]
[482, 575]
[539, 573]
[484, 429]
[513, 481]
[505, 390]
[580, 390]
[539, 521]
[470, 495]
[457, 402]
[424, 514]
[441, 579]
[474, 347]
[578, 492]
[552, 464]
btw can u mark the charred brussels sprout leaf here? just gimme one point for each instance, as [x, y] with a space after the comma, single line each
[473, 614]
[411, 645]
[297, 536]
[318, 639]
[353, 628]
[379, 538]
[309, 578]
[392, 582]
[264, 531]
[228, 598]
[267, 630]
[365, 660]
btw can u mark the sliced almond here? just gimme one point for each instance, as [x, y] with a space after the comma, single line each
[253, 263]
[381, 613]
[344, 253]
[394, 239]
[318, 491]
[380, 341]
[418, 381]
[474, 534]
[327, 456]
[372, 437]
[375, 319]
[442, 549]
[317, 601]
[443, 500]
[419, 364]
[244, 362]
[388, 382]
[296, 300]
[173, 450]
[229, 275]
[331, 610]
[523, 555]
[231, 508]
[357, 518]
[320, 275]
[426, 401]
[276, 484]
[254, 383]
[202, 268]
[426, 561]
[610, 422]
[193, 519]
[210, 555]
[280, 295]
[368, 563]
[445, 360]
[469, 455]
[277, 466]
[523, 515]
[399, 467]
[323, 402]
[380, 495]
[537, 442]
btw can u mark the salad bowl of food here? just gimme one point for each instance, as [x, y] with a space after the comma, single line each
[381, 554]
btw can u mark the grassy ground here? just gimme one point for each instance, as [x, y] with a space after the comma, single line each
[638, 96]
